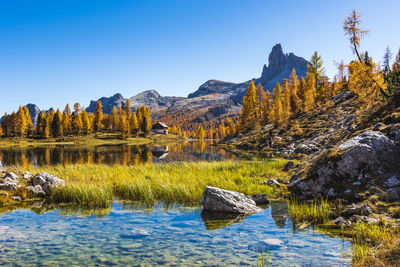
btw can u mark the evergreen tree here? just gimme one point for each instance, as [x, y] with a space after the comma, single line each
[387, 57]
[56, 125]
[316, 67]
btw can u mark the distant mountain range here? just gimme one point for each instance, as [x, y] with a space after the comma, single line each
[213, 100]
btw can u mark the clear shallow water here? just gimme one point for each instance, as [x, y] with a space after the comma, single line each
[112, 154]
[172, 237]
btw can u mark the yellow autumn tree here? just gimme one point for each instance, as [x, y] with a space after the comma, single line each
[248, 113]
[366, 81]
[98, 117]
[275, 115]
[309, 93]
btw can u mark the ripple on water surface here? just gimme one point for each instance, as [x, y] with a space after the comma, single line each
[175, 236]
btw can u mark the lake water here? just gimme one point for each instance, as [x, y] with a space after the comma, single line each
[112, 154]
[178, 236]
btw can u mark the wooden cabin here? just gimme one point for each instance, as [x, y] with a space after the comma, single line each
[160, 128]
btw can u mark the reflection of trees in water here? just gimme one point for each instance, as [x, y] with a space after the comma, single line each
[279, 212]
[111, 154]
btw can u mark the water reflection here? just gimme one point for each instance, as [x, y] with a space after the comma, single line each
[112, 154]
[130, 234]
[217, 220]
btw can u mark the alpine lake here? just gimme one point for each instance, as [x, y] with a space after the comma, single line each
[135, 234]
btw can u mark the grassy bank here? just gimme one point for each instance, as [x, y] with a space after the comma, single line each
[97, 185]
[91, 139]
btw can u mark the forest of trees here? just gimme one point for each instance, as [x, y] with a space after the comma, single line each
[77, 122]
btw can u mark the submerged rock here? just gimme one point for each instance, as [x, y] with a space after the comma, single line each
[47, 181]
[216, 199]
[259, 199]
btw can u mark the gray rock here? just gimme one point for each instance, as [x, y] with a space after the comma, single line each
[392, 182]
[16, 198]
[11, 176]
[8, 185]
[36, 191]
[4, 194]
[360, 210]
[217, 199]
[341, 222]
[358, 161]
[259, 199]
[47, 181]
[27, 175]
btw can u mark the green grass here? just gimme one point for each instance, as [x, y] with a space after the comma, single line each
[182, 183]
[369, 237]
[317, 212]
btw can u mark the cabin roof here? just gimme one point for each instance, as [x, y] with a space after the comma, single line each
[160, 125]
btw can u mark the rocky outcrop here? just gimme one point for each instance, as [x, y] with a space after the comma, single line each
[367, 160]
[108, 103]
[216, 199]
[153, 100]
[280, 66]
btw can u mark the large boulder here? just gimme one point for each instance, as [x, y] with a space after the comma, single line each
[47, 182]
[9, 182]
[358, 163]
[216, 199]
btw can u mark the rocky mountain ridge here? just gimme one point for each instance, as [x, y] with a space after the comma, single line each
[213, 100]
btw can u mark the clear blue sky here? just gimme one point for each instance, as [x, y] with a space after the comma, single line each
[58, 52]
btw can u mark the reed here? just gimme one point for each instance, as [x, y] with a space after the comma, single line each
[316, 212]
[97, 185]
